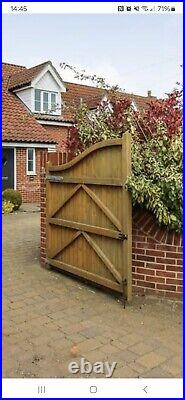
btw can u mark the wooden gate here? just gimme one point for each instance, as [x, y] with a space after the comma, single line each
[89, 215]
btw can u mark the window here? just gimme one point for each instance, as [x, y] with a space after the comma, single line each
[53, 101]
[31, 170]
[37, 100]
[45, 102]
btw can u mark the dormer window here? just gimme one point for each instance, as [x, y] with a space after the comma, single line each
[45, 102]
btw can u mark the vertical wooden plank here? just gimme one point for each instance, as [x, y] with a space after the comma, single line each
[127, 215]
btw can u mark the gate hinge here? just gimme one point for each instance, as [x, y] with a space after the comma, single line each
[122, 236]
[54, 178]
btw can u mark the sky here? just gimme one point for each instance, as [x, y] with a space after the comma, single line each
[137, 52]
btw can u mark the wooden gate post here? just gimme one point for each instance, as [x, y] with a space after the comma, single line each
[127, 215]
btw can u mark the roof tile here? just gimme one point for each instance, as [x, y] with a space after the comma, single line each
[25, 76]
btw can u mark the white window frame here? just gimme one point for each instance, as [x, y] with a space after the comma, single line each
[49, 101]
[33, 172]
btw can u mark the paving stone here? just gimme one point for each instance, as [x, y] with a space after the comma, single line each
[91, 332]
[174, 367]
[141, 348]
[94, 356]
[125, 372]
[46, 314]
[88, 345]
[109, 349]
[151, 360]
[140, 369]
[102, 339]
[157, 372]
[123, 356]
[118, 344]
[130, 339]
[77, 338]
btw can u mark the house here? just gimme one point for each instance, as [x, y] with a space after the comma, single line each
[36, 119]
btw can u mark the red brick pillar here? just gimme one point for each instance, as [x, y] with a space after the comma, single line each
[43, 209]
[56, 158]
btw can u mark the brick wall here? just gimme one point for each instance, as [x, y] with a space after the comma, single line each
[57, 133]
[156, 252]
[157, 257]
[29, 186]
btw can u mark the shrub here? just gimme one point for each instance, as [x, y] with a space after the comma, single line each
[167, 111]
[156, 179]
[7, 207]
[14, 196]
[93, 126]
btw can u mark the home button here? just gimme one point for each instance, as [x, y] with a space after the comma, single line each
[93, 389]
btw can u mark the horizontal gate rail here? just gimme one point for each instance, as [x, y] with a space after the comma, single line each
[90, 181]
[87, 228]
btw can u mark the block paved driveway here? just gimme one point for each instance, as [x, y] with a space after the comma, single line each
[50, 319]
